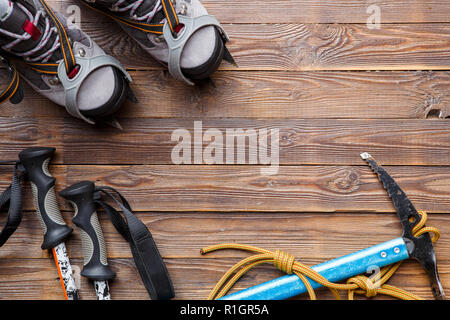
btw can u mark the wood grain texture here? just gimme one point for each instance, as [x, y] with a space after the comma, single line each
[182, 235]
[310, 237]
[294, 11]
[294, 95]
[42, 283]
[240, 188]
[300, 47]
[302, 141]
[314, 70]
[341, 11]
[149, 141]
[270, 95]
[243, 188]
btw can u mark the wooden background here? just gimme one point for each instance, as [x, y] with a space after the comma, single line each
[314, 70]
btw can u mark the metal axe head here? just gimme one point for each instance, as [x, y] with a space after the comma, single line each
[421, 247]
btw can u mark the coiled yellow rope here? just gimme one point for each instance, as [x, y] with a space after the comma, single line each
[286, 263]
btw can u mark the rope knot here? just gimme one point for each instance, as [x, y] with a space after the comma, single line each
[366, 284]
[284, 261]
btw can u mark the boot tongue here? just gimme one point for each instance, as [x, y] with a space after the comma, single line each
[19, 23]
[13, 22]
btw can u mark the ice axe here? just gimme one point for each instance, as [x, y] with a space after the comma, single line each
[405, 247]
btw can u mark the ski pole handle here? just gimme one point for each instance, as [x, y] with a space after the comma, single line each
[35, 161]
[81, 196]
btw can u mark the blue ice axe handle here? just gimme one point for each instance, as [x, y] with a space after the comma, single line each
[335, 270]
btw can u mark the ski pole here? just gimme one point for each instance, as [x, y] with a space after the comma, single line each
[96, 268]
[35, 161]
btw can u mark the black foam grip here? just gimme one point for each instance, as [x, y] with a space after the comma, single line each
[35, 161]
[81, 195]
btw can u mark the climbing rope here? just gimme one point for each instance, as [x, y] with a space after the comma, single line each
[285, 262]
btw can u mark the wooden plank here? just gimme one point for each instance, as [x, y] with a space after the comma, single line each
[293, 11]
[42, 283]
[38, 279]
[237, 11]
[293, 75]
[149, 141]
[244, 188]
[312, 238]
[270, 95]
[410, 277]
[181, 236]
[17, 134]
[301, 47]
[305, 47]
[293, 95]
[311, 141]
[33, 106]
[241, 188]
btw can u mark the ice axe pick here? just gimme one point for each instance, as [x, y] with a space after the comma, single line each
[381, 255]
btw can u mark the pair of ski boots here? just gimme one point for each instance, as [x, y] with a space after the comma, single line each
[65, 65]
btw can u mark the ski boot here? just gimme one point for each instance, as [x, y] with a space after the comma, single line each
[178, 33]
[13, 91]
[61, 62]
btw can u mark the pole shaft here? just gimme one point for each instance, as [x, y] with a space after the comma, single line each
[65, 272]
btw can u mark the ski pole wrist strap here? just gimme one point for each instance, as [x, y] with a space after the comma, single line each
[12, 197]
[146, 256]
